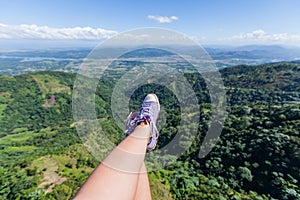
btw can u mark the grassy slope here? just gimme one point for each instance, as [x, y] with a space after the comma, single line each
[49, 84]
[50, 169]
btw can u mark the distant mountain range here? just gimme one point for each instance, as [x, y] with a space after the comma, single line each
[256, 52]
[63, 59]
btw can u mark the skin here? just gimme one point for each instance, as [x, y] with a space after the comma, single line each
[122, 174]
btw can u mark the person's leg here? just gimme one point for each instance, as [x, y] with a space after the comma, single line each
[117, 176]
[143, 188]
[123, 175]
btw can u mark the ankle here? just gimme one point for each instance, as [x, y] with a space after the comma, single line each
[143, 123]
[142, 130]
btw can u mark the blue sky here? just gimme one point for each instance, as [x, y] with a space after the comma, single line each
[230, 22]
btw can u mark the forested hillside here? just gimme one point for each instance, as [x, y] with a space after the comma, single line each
[256, 157]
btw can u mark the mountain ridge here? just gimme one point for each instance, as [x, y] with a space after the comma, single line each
[264, 114]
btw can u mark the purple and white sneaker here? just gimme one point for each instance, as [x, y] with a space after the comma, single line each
[130, 122]
[149, 112]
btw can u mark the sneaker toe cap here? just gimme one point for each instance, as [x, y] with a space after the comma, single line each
[151, 98]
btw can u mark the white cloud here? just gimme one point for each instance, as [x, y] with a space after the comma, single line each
[163, 19]
[25, 31]
[261, 36]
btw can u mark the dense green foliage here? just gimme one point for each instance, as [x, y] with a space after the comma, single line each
[256, 157]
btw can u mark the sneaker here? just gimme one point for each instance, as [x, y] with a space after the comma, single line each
[130, 123]
[149, 112]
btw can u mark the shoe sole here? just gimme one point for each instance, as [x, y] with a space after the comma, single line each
[158, 105]
[157, 102]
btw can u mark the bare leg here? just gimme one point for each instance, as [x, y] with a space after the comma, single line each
[117, 177]
[143, 187]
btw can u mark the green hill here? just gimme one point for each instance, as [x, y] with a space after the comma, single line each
[277, 76]
[256, 157]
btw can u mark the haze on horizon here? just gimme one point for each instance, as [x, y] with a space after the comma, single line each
[32, 24]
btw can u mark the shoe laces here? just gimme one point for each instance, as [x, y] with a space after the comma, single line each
[144, 114]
